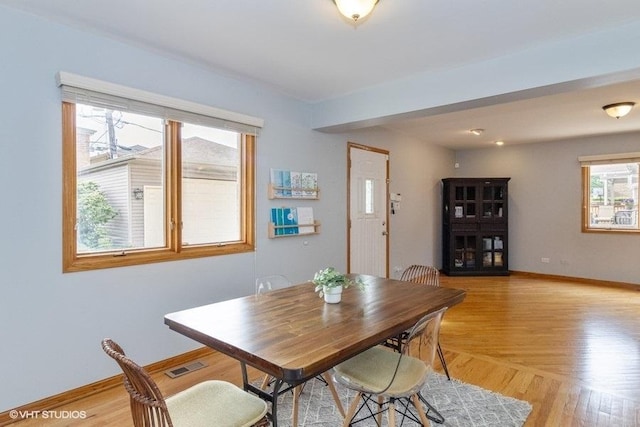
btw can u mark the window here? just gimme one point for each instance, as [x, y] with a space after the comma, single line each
[610, 192]
[144, 182]
[369, 192]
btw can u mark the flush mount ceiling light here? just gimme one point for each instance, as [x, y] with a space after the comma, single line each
[476, 132]
[499, 143]
[619, 109]
[355, 9]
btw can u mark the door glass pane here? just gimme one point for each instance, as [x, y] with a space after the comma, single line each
[119, 167]
[369, 192]
[210, 185]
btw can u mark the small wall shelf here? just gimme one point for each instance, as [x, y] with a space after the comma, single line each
[292, 230]
[276, 192]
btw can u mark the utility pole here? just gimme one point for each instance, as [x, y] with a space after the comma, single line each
[113, 143]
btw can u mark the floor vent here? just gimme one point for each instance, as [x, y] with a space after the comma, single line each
[184, 369]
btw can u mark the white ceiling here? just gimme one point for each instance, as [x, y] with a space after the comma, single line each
[305, 49]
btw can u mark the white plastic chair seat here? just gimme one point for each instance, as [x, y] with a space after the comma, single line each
[215, 403]
[372, 371]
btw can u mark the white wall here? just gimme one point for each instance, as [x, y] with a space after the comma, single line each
[540, 65]
[545, 199]
[52, 323]
[416, 171]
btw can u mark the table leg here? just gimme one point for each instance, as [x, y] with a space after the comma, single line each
[270, 397]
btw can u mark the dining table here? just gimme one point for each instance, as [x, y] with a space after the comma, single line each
[293, 335]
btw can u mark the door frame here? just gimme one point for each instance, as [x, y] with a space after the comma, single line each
[356, 146]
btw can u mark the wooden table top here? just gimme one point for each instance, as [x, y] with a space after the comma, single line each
[294, 335]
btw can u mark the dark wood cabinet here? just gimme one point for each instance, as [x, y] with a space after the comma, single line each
[475, 216]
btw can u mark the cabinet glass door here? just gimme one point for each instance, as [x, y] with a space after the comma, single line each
[465, 251]
[492, 201]
[464, 202]
[492, 250]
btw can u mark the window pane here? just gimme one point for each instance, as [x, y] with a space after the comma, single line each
[613, 196]
[119, 166]
[211, 185]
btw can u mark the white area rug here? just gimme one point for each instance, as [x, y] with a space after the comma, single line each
[461, 404]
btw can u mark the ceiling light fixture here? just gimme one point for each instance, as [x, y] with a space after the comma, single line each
[355, 9]
[499, 142]
[619, 109]
[477, 132]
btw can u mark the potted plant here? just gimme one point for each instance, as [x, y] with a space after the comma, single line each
[330, 282]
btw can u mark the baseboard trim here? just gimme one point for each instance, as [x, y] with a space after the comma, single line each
[70, 396]
[596, 282]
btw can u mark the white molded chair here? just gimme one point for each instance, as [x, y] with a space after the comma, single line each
[394, 378]
[430, 276]
[205, 404]
[271, 283]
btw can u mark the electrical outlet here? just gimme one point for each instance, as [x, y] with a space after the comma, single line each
[545, 260]
[397, 269]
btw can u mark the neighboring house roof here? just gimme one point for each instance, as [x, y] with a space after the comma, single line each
[199, 150]
[195, 150]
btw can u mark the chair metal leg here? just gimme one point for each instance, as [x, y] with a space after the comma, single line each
[365, 403]
[443, 362]
[437, 417]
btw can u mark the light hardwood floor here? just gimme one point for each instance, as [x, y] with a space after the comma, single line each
[571, 349]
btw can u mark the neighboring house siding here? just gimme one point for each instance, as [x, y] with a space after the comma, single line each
[210, 211]
[144, 172]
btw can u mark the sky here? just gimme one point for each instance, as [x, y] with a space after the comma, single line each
[136, 129]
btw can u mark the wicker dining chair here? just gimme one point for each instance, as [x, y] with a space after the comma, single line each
[430, 276]
[422, 274]
[270, 283]
[383, 378]
[205, 404]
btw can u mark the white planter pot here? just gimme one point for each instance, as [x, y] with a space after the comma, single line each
[332, 295]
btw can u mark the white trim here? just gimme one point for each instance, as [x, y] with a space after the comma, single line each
[73, 80]
[609, 158]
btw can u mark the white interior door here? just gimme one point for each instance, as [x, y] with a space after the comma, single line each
[368, 213]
